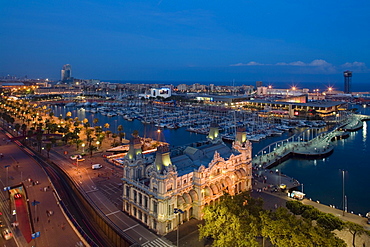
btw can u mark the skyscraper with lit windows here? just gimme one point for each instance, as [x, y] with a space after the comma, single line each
[347, 81]
[66, 73]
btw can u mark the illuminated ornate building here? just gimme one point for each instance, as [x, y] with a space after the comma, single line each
[183, 180]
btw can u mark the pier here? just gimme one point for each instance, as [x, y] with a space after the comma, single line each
[311, 143]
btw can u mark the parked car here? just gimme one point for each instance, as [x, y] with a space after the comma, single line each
[17, 195]
[6, 234]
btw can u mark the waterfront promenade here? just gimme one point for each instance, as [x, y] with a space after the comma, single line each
[315, 147]
[278, 198]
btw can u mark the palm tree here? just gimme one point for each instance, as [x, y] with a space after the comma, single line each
[39, 134]
[108, 132]
[85, 121]
[135, 133]
[87, 126]
[121, 136]
[120, 129]
[24, 128]
[95, 121]
[48, 148]
[78, 142]
[91, 149]
[98, 130]
[114, 136]
[101, 138]
[68, 115]
[17, 126]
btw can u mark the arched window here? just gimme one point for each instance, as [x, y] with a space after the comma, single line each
[138, 173]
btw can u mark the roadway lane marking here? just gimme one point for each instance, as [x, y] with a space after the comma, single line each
[130, 227]
[156, 243]
[91, 191]
[113, 213]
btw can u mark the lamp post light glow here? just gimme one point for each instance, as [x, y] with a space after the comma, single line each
[159, 132]
[178, 211]
[83, 147]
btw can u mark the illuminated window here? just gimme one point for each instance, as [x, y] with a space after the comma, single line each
[155, 207]
[127, 192]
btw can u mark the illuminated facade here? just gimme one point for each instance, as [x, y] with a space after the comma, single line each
[188, 178]
[162, 92]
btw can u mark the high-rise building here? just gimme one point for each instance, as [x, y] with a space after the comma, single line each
[258, 84]
[347, 81]
[66, 73]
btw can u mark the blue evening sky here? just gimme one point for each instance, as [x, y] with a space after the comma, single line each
[189, 40]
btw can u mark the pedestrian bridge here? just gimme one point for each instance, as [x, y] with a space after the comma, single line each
[310, 143]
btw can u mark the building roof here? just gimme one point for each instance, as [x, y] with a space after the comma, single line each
[195, 156]
[312, 104]
[8, 84]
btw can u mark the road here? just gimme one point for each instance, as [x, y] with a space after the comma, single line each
[103, 188]
[21, 168]
[95, 185]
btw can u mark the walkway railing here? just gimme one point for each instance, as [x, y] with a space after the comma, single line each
[310, 142]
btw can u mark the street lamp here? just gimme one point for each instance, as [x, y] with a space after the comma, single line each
[178, 211]
[97, 144]
[83, 147]
[159, 132]
[302, 188]
[343, 190]
[7, 172]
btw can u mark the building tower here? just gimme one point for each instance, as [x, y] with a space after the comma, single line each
[347, 81]
[66, 73]
[258, 84]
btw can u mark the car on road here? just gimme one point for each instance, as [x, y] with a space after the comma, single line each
[75, 157]
[17, 195]
[6, 234]
[96, 166]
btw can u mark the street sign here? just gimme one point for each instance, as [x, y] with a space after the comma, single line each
[35, 235]
[6, 188]
[34, 203]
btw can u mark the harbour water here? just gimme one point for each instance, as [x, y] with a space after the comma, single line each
[322, 179]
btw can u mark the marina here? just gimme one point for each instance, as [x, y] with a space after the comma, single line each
[306, 171]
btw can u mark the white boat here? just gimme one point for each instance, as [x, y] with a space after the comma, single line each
[111, 114]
